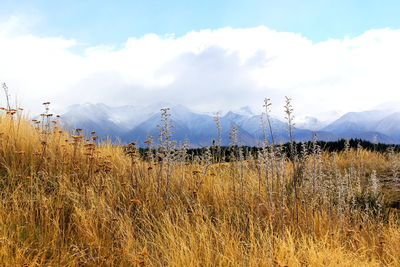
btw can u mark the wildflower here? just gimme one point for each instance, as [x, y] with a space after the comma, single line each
[217, 119]
[374, 183]
[135, 201]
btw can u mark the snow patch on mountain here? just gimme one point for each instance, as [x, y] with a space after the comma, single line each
[138, 122]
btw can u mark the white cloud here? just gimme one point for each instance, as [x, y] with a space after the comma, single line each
[207, 70]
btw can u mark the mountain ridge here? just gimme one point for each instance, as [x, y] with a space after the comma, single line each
[132, 123]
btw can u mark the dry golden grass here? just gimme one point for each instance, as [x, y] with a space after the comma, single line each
[67, 202]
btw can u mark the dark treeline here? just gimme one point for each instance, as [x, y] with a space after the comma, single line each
[229, 153]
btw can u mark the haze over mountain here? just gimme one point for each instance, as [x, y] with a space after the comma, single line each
[133, 123]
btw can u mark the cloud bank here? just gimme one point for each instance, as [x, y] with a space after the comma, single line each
[208, 70]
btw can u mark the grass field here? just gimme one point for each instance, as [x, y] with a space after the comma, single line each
[67, 201]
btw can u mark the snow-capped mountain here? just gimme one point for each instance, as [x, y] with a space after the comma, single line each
[354, 122]
[244, 111]
[132, 123]
[390, 125]
[381, 124]
[311, 123]
[98, 117]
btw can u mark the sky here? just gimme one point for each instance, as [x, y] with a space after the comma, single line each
[328, 55]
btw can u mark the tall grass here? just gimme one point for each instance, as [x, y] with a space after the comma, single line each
[67, 201]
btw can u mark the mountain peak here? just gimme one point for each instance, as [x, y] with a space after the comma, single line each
[309, 122]
[244, 111]
[136, 122]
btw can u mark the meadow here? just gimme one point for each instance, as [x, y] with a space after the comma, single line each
[69, 200]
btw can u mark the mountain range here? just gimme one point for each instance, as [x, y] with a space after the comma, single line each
[130, 123]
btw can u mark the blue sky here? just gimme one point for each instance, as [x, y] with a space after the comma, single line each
[112, 22]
